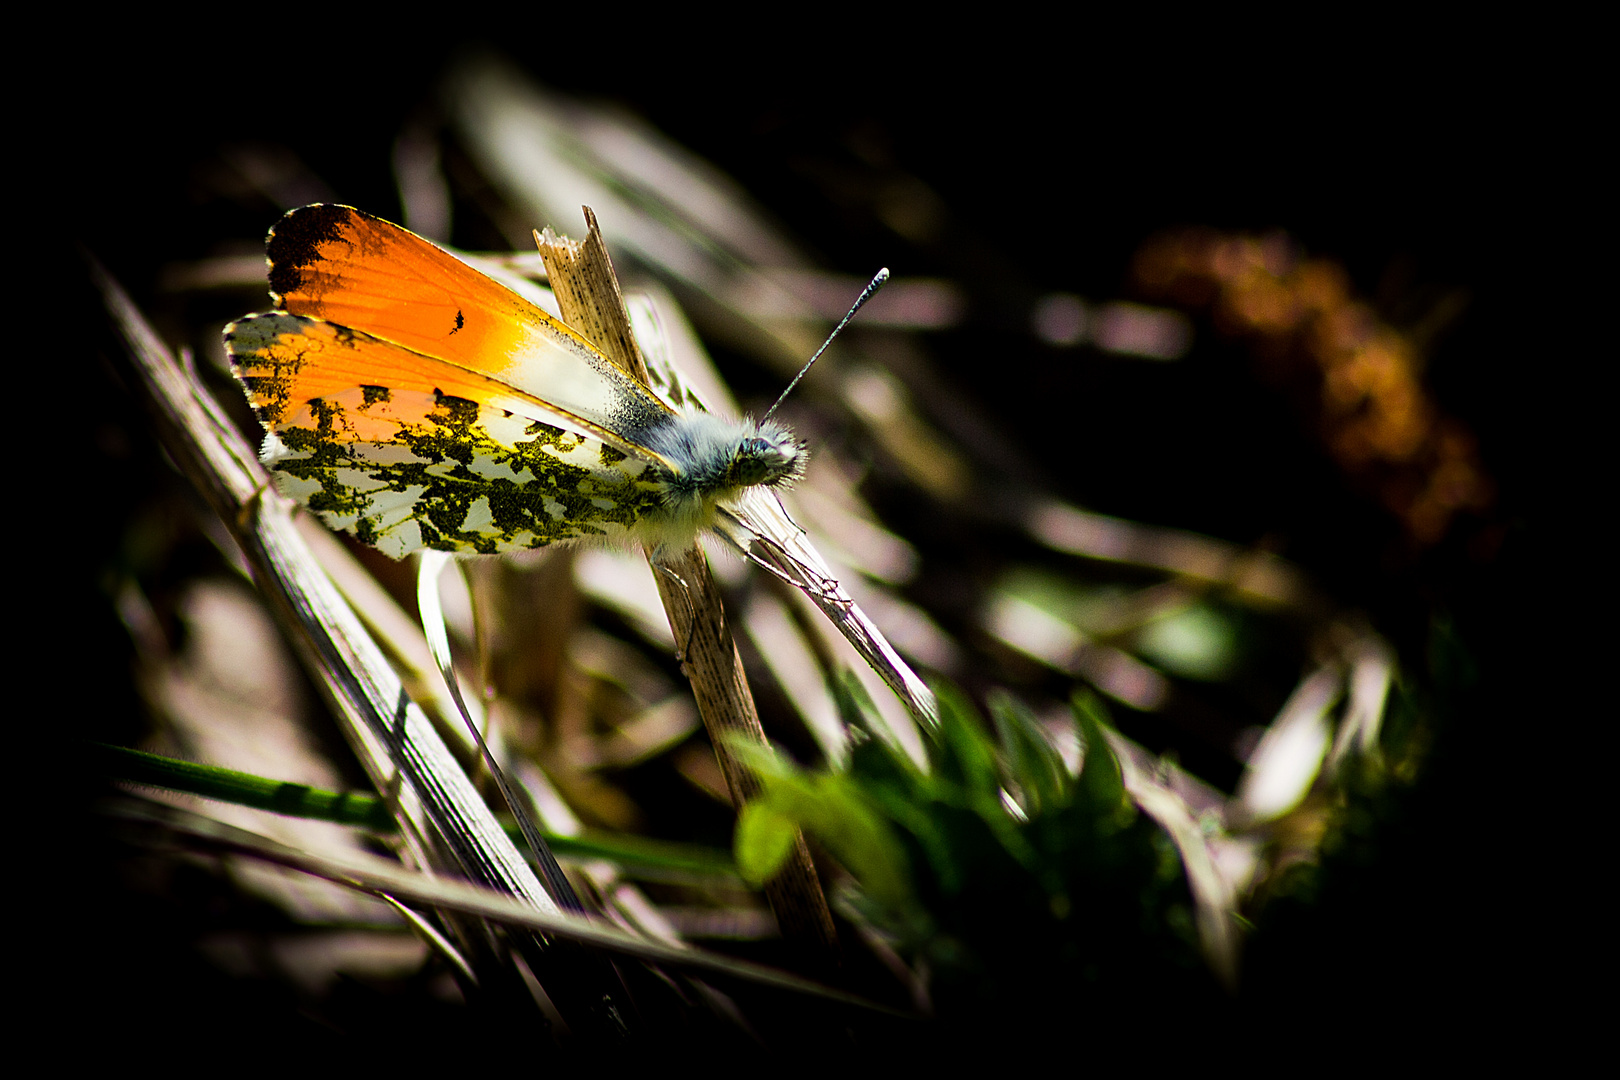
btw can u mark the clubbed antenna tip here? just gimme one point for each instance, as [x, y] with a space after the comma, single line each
[878, 281]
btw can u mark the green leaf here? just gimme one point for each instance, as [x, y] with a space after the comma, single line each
[970, 757]
[913, 815]
[637, 856]
[1100, 779]
[855, 706]
[835, 810]
[966, 753]
[875, 755]
[858, 836]
[245, 789]
[876, 764]
[1035, 765]
[763, 842]
[1198, 642]
[641, 857]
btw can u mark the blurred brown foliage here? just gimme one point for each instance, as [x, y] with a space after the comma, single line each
[1357, 377]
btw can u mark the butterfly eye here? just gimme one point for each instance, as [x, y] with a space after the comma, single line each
[765, 460]
[752, 464]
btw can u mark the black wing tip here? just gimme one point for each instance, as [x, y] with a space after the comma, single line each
[320, 215]
[295, 241]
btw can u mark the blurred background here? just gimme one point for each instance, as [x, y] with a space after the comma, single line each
[1163, 301]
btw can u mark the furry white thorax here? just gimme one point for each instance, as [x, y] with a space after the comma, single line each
[715, 460]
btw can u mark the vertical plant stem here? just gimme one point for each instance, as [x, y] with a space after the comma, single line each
[588, 294]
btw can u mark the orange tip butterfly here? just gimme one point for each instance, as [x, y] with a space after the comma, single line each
[415, 402]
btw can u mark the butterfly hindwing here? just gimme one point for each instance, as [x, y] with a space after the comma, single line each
[406, 451]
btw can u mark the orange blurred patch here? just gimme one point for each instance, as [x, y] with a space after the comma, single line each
[1298, 315]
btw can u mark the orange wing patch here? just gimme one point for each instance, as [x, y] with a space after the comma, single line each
[338, 264]
[335, 263]
[287, 363]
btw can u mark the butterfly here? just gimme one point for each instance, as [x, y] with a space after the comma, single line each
[415, 402]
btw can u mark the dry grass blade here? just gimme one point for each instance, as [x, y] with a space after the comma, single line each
[430, 565]
[164, 825]
[446, 824]
[764, 528]
[1214, 894]
[550, 160]
[588, 293]
[1257, 576]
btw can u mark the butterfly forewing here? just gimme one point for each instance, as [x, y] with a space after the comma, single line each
[338, 264]
[406, 451]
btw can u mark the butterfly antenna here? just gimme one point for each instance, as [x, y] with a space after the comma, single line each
[877, 282]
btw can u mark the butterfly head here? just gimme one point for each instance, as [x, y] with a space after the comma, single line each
[772, 455]
[715, 458]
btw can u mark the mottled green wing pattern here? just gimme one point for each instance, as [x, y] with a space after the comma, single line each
[397, 458]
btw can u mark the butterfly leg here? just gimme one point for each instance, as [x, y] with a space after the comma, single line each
[816, 584]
